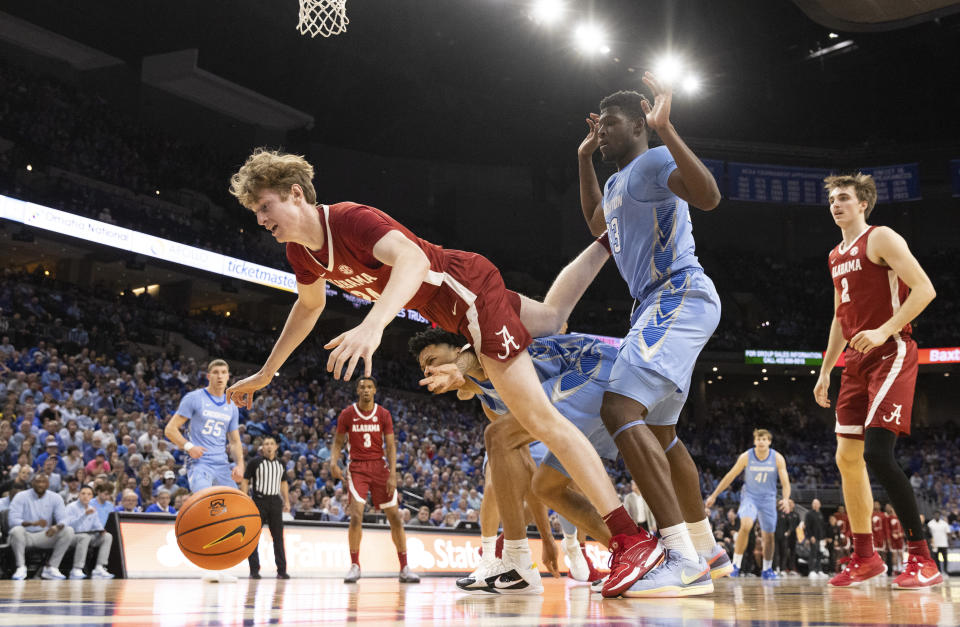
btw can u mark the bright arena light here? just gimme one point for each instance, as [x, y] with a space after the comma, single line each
[691, 84]
[668, 69]
[547, 12]
[591, 39]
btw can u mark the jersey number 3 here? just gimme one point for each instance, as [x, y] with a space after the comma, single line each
[212, 427]
[615, 234]
[366, 440]
[845, 293]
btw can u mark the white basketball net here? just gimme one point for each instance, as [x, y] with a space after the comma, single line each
[322, 17]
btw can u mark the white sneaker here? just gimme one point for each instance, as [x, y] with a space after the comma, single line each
[102, 573]
[20, 574]
[579, 569]
[49, 572]
[515, 578]
[77, 573]
[353, 574]
[477, 580]
[218, 577]
[813, 575]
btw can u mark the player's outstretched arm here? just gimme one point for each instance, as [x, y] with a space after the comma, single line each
[591, 198]
[835, 345]
[728, 478]
[172, 431]
[691, 181]
[892, 249]
[303, 317]
[784, 483]
[410, 266]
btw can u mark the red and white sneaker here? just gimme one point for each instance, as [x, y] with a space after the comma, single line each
[858, 570]
[631, 557]
[594, 573]
[919, 572]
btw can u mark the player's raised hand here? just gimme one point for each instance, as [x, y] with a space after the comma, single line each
[241, 392]
[658, 115]
[443, 378]
[866, 341]
[820, 391]
[350, 347]
[549, 556]
[591, 142]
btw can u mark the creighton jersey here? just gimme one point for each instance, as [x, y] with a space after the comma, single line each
[651, 235]
[211, 419]
[760, 477]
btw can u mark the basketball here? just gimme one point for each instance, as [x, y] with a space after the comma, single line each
[218, 527]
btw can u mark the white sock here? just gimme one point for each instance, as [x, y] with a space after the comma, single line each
[702, 536]
[518, 551]
[570, 539]
[737, 559]
[767, 564]
[677, 538]
[489, 546]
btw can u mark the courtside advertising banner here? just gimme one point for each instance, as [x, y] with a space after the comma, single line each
[926, 356]
[149, 550]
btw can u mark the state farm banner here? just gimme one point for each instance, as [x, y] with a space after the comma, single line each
[149, 550]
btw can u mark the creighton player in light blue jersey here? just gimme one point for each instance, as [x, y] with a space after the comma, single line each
[213, 423]
[761, 466]
[644, 209]
[573, 370]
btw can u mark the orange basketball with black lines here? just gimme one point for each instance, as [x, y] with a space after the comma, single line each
[218, 527]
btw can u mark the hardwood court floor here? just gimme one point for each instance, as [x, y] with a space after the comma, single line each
[436, 601]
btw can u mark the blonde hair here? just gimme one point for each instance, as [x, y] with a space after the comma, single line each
[862, 184]
[217, 362]
[273, 170]
[762, 433]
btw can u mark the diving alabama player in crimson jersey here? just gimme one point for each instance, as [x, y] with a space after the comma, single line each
[365, 251]
[879, 287]
[367, 429]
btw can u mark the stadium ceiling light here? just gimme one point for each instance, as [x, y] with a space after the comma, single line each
[691, 84]
[547, 12]
[833, 36]
[590, 39]
[668, 68]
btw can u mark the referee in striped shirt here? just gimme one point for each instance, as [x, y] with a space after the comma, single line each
[267, 478]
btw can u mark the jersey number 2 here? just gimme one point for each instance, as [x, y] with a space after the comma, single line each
[845, 294]
[212, 427]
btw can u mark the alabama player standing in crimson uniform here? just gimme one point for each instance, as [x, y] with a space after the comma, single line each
[366, 252]
[895, 539]
[879, 287]
[880, 531]
[367, 429]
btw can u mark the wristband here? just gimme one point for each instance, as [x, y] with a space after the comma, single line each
[188, 445]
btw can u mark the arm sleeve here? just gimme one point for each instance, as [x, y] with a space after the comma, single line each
[387, 422]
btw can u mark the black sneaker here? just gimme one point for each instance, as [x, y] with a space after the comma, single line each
[254, 575]
[283, 576]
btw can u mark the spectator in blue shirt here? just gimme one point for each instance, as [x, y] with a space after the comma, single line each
[128, 502]
[88, 531]
[162, 506]
[104, 501]
[37, 520]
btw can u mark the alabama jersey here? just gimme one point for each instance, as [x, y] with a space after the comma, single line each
[365, 431]
[869, 293]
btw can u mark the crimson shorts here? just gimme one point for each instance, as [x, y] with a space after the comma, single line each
[473, 301]
[371, 476]
[896, 544]
[876, 389]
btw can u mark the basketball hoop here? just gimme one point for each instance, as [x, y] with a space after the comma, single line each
[323, 17]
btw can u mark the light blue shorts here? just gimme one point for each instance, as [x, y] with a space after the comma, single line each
[600, 440]
[670, 328]
[201, 476]
[765, 512]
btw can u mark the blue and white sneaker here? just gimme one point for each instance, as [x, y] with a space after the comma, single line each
[719, 562]
[675, 577]
[769, 574]
[735, 572]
